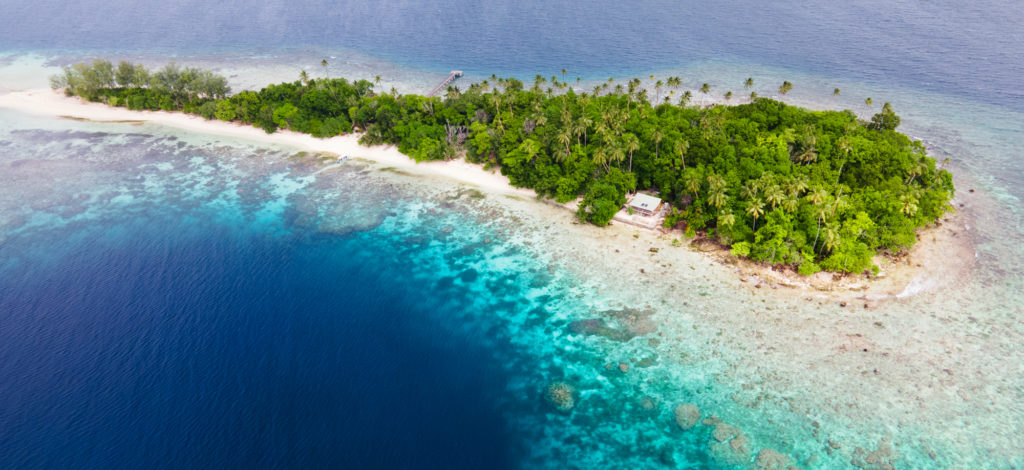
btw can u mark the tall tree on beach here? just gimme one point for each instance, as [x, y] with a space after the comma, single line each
[657, 136]
[632, 145]
[728, 95]
[755, 209]
[753, 96]
[705, 89]
[868, 102]
[835, 93]
[785, 87]
[818, 199]
[749, 82]
[564, 139]
[323, 63]
[685, 98]
[680, 147]
[674, 82]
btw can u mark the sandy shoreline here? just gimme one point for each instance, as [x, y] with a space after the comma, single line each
[927, 267]
[50, 103]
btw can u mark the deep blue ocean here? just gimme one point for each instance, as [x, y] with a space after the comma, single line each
[144, 345]
[151, 324]
[175, 304]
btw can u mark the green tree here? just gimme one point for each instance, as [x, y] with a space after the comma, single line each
[125, 75]
[755, 209]
[632, 145]
[886, 120]
[786, 87]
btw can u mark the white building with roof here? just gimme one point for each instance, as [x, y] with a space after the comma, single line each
[645, 204]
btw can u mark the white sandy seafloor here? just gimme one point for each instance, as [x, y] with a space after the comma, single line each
[932, 378]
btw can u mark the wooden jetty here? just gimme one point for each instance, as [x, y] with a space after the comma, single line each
[447, 81]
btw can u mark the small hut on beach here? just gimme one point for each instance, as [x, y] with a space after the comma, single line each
[645, 204]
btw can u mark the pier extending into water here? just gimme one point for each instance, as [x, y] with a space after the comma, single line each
[447, 81]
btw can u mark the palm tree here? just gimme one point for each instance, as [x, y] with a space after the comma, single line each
[831, 237]
[376, 79]
[685, 98]
[705, 89]
[727, 219]
[835, 93]
[717, 198]
[790, 204]
[796, 185]
[716, 182]
[617, 154]
[531, 147]
[844, 145]
[755, 208]
[304, 78]
[600, 157]
[691, 179]
[785, 87]
[674, 82]
[917, 169]
[774, 195]
[323, 63]
[577, 131]
[749, 82]
[680, 147]
[585, 123]
[868, 102]
[632, 145]
[657, 89]
[753, 96]
[452, 92]
[749, 190]
[564, 139]
[908, 204]
[818, 197]
[728, 95]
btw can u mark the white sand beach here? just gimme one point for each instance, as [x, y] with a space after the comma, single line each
[52, 103]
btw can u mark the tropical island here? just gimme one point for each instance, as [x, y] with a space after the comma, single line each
[778, 184]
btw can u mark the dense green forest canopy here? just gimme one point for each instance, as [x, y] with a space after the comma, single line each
[777, 183]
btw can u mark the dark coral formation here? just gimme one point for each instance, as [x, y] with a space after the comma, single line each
[561, 396]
